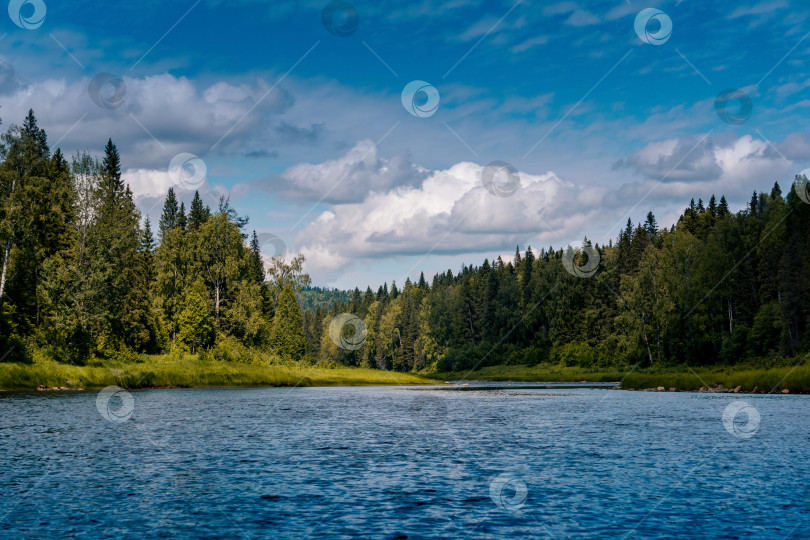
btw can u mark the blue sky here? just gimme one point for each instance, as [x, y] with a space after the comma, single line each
[306, 130]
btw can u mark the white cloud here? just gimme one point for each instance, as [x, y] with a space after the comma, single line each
[577, 17]
[732, 164]
[530, 43]
[147, 182]
[347, 179]
[161, 116]
[450, 212]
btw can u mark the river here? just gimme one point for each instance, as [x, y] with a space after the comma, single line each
[490, 462]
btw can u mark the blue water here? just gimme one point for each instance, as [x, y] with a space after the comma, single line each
[404, 463]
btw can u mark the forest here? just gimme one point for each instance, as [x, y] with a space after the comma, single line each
[84, 277]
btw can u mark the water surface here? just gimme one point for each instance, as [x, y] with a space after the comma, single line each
[404, 463]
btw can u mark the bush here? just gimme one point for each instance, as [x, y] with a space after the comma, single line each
[576, 353]
[230, 349]
[227, 349]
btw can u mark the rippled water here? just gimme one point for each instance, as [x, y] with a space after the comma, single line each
[405, 463]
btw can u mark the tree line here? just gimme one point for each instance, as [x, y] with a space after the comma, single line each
[84, 276]
[718, 287]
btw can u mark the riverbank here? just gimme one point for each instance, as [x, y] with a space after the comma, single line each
[189, 371]
[750, 379]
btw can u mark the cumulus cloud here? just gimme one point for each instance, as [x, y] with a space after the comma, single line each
[694, 160]
[161, 116]
[148, 183]
[682, 159]
[349, 178]
[449, 212]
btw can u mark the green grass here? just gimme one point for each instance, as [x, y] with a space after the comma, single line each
[748, 378]
[177, 370]
[190, 371]
[539, 373]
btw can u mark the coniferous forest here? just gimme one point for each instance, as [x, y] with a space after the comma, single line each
[84, 276]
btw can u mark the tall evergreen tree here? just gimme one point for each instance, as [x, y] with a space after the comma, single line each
[198, 213]
[168, 218]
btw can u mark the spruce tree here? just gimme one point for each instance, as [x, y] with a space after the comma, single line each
[168, 218]
[722, 210]
[198, 213]
[181, 217]
[257, 271]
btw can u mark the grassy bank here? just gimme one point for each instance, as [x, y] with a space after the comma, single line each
[748, 378]
[539, 373]
[190, 371]
[795, 379]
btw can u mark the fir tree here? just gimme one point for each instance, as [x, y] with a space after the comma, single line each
[168, 218]
[198, 213]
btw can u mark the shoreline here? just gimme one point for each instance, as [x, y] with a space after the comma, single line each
[191, 372]
[743, 378]
[702, 390]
